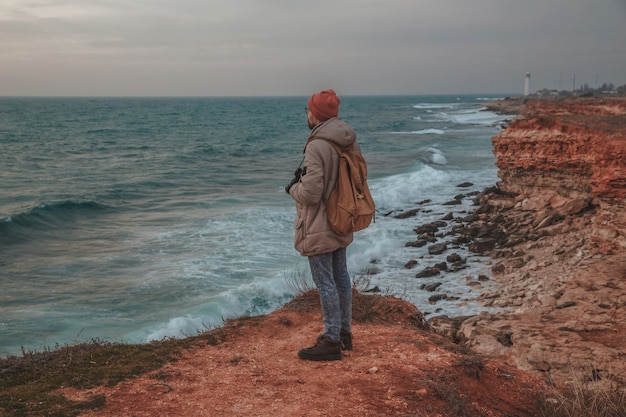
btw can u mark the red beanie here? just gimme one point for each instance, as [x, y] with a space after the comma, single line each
[324, 105]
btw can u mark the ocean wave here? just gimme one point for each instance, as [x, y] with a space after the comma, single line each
[255, 298]
[402, 190]
[434, 156]
[479, 117]
[45, 217]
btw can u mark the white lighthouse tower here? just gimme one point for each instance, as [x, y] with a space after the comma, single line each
[527, 84]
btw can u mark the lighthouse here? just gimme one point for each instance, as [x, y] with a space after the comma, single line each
[527, 84]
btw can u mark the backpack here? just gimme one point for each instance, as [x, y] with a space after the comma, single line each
[350, 206]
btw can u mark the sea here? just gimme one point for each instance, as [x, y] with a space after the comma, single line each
[138, 219]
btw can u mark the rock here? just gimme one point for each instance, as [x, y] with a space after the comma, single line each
[461, 240]
[567, 206]
[437, 297]
[454, 257]
[482, 246]
[457, 229]
[536, 359]
[447, 326]
[430, 228]
[548, 220]
[410, 264]
[465, 185]
[442, 266]
[431, 287]
[416, 244]
[437, 249]
[407, 214]
[448, 216]
[457, 266]
[427, 272]
[470, 218]
[566, 304]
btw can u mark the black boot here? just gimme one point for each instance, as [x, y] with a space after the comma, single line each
[324, 350]
[344, 337]
[346, 340]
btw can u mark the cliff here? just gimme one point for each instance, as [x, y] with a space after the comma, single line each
[249, 367]
[574, 148]
[559, 221]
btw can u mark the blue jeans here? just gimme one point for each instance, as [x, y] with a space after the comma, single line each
[330, 275]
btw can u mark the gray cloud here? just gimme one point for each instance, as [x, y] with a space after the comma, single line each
[280, 47]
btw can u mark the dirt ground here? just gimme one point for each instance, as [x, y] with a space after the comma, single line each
[395, 369]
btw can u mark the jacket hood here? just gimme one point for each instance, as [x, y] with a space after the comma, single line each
[335, 130]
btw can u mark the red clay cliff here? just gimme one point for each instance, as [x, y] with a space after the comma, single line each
[562, 265]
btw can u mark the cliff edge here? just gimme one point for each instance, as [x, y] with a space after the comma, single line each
[558, 217]
[250, 368]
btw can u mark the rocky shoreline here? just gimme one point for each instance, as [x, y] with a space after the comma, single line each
[555, 228]
[450, 243]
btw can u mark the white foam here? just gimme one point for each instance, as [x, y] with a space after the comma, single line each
[254, 298]
[479, 117]
[489, 98]
[436, 156]
[401, 190]
[178, 327]
[421, 132]
[426, 106]
[430, 131]
[474, 117]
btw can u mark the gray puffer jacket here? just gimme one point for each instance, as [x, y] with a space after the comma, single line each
[313, 235]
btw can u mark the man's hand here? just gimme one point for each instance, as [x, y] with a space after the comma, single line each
[296, 178]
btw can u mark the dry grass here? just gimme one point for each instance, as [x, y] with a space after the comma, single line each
[367, 308]
[28, 383]
[596, 397]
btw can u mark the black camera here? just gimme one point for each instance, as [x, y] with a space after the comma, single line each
[296, 178]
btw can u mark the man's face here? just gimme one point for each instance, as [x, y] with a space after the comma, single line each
[311, 120]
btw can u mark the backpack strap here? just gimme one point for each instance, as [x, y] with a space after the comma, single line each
[336, 146]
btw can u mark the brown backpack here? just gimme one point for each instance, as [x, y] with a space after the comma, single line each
[350, 206]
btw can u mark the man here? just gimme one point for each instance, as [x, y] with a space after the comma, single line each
[325, 249]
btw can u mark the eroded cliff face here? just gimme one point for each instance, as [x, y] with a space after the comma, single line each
[559, 221]
[561, 157]
[574, 148]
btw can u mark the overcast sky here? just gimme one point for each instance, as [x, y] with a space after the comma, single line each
[294, 47]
